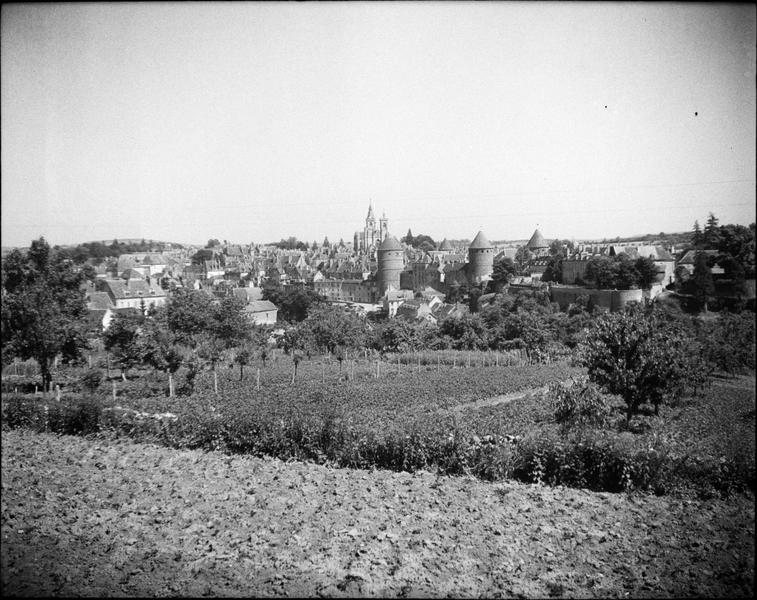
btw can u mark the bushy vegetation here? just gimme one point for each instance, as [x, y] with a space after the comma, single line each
[570, 435]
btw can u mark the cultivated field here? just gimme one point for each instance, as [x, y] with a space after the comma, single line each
[239, 493]
[87, 518]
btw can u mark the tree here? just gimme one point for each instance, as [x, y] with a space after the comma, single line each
[639, 355]
[330, 327]
[473, 296]
[43, 309]
[701, 281]
[522, 257]
[399, 335]
[553, 270]
[294, 303]
[697, 240]
[159, 348]
[199, 257]
[647, 272]
[188, 313]
[711, 235]
[503, 271]
[212, 243]
[121, 339]
[467, 332]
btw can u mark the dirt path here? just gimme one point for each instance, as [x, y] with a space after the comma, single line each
[97, 518]
[495, 400]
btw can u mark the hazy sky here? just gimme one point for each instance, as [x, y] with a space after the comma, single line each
[253, 122]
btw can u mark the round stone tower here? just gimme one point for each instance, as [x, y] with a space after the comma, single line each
[390, 264]
[480, 259]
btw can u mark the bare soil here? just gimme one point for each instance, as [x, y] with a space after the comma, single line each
[113, 518]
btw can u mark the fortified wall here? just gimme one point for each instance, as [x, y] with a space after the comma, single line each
[609, 300]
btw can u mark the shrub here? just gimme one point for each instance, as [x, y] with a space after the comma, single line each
[579, 402]
[91, 380]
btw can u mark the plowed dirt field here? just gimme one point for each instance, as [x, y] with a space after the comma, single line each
[112, 518]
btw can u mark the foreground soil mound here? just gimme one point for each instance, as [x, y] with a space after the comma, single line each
[96, 518]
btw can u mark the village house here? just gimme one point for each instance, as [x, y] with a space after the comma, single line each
[261, 312]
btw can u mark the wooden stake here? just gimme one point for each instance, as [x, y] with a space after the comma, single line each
[257, 379]
[114, 390]
[57, 393]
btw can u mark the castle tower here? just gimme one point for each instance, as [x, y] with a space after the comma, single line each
[383, 227]
[537, 244]
[480, 259]
[390, 264]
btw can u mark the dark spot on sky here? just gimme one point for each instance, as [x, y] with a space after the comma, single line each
[605, 105]
[696, 113]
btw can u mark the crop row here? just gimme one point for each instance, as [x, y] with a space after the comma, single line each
[406, 422]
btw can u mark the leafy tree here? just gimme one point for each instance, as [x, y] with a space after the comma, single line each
[456, 293]
[466, 332]
[43, 309]
[330, 327]
[229, 323]
[212, 243]
[701, 281]
[202, 255]
[293, 302]
[399, 335]
[188, 314]
[121, 339]
[522, 257]
[647, 272]
[639, 355]
[159, 347]
[210, 349]
[473, 296]
[503, 271]
[553, 270]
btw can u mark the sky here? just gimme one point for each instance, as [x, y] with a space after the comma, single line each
[253, 122]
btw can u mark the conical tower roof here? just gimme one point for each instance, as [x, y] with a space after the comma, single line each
[390, 243]
[370, 211]
[480, 242]
[445, 245]
[537, 241]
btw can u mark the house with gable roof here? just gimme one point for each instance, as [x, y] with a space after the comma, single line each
[132, 293]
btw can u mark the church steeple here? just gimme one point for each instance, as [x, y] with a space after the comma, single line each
[370, 216]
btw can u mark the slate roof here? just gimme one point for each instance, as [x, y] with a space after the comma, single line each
[537, 241]
[248, 294]
[480, 242]
[445, 245]
[132, 288]
[390, 243]
[260, 306]
[99, 301]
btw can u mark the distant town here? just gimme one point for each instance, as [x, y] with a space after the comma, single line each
[410, 277]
